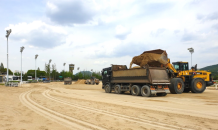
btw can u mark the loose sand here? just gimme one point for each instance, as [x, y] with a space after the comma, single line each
[54, 106]
[80, 81]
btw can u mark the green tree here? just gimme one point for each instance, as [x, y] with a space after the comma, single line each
[47, 70]
[9, 71]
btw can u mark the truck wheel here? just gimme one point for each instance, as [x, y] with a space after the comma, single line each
[136, 90]
[186, 90]
[176, 86]
[107, 88]
[145, 91]
[96, 83]
[117, 89]
[198, 85]
[161, 94]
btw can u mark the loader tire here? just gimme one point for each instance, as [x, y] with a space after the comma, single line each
[145, 91]
[117, 89]
[136, 90]
[198, 85]
[176, 86]
[107, 88]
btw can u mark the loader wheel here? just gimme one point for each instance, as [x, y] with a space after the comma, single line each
[135, 90]
[176, 86]
[145, 91]
[186, 90]
[161, 94]
[117, 89]
[107, 88]
[198, 85]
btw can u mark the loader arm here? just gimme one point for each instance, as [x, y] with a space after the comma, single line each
[170, 66]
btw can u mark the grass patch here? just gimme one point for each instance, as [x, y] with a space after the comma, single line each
[2, 84]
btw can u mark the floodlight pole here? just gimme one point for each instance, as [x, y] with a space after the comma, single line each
[35, 66]
[8, 32]
[21, 50]
[49, 70]
[191, 50]
[7, 59]
[64, 69]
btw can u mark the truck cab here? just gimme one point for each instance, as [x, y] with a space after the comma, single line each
[106, 75]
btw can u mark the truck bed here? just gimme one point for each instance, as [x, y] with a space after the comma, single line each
[153, 75]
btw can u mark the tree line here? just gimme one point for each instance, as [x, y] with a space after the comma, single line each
[51, 72]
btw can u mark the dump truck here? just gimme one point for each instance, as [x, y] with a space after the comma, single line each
[146, 81]
[67, 81]
[181, 78]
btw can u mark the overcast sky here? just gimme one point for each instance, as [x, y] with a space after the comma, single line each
[93, 34]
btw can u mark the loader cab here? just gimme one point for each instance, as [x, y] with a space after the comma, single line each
[180, 66]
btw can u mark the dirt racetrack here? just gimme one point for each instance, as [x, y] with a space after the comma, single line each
[54, 106]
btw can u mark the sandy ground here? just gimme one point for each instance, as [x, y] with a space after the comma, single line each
[54, 106]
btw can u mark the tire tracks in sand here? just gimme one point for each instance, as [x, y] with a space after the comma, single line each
[186, 112]
[55, 116]
[116, 115]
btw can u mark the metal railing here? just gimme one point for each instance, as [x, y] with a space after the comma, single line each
[12, 84]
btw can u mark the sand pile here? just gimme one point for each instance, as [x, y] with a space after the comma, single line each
[80, 81]
[152, 58]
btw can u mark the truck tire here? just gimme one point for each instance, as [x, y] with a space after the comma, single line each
[136, 90]
[186, 90]
[96, 83]
[198, 85]
[107, 88]
[161, 94]
[145, 91]
[176, 86]
[117, 89]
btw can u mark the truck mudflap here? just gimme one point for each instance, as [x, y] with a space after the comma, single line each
[159, 89]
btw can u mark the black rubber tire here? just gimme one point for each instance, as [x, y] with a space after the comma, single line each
[194, 88]
[136, 90]
[96, 83]
[186, 90]
[173, 86]
[117, 89]
[145, 91]
[107, 88]
[161, 94]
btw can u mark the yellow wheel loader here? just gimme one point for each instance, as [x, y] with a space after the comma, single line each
[185, 80]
